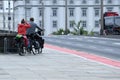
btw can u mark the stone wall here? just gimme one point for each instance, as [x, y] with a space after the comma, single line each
[6, 42]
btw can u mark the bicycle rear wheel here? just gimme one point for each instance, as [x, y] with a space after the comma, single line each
[22, 50]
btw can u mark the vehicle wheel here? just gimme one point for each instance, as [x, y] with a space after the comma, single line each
[40, 49]
[22, 51]
[35, 48]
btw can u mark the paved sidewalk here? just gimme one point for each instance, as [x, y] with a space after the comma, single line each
[54, 65]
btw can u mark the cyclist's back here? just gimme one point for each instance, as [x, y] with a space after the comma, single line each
[32, 28]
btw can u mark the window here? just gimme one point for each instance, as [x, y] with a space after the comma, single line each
[83, 23]
[109, 9]
[84, 1]
[40, 12]
[97, 11]
[40, 23]
[54, 23]
[54, 11]
[71, 11]
[84, 11]
[54, 1]
[71, 24]
[1, 7]
[97, 1]
[28, 13]
[27, 1]
[7, 8]
[96, 23]
[71, 2]
[109, 1]
[40, 1]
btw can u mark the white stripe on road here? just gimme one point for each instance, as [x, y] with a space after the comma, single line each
[116, 43]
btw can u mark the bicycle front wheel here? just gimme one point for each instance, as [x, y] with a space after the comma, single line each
[35, 48]
[40, 49]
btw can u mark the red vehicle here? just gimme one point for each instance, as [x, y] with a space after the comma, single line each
[111, 23]
[110, 14]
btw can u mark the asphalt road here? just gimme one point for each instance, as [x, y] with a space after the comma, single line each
[107, 47]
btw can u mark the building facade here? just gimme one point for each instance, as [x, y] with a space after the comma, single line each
[51, 14]
[6, 15]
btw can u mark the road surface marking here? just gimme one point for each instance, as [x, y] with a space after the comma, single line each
[103, 60]
[116, 43]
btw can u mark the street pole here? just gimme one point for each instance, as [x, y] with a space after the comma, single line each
[42, 16]
[9, 17]
[3, 17]
[13, 15]
[102, 19]
[66, 17]
[25, 11]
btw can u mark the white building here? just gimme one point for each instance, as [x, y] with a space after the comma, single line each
[6, 11]
[87, 11]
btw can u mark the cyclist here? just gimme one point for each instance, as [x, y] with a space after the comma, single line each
[32, 29]
[22, 28]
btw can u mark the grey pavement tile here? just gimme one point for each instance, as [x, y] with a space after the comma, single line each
[54, 65]
[7, 79]
[4, 74]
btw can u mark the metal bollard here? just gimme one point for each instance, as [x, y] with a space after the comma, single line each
[5, 45]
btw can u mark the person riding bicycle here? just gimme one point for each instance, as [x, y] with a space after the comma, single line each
[22, 29]
[33, 28]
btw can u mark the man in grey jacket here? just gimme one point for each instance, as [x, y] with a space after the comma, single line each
[32, 29]
[33, 25]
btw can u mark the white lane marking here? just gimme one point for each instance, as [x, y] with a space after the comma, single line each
[116, 43]
[103, 42]
[90, 40]
[109, 49]
[76, 38]
[94, 47]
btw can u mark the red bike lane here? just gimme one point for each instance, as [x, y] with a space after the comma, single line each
[86, 55]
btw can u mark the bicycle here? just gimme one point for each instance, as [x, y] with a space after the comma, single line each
[34, 44]
[20, 44]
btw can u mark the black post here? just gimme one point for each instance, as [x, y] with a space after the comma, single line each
[102, 19]
[66, 30]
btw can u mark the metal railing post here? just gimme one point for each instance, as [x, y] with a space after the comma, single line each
[5, 45]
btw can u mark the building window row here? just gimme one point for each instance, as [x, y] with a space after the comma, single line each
[71, 24]
[72, 1]
[71, 11]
